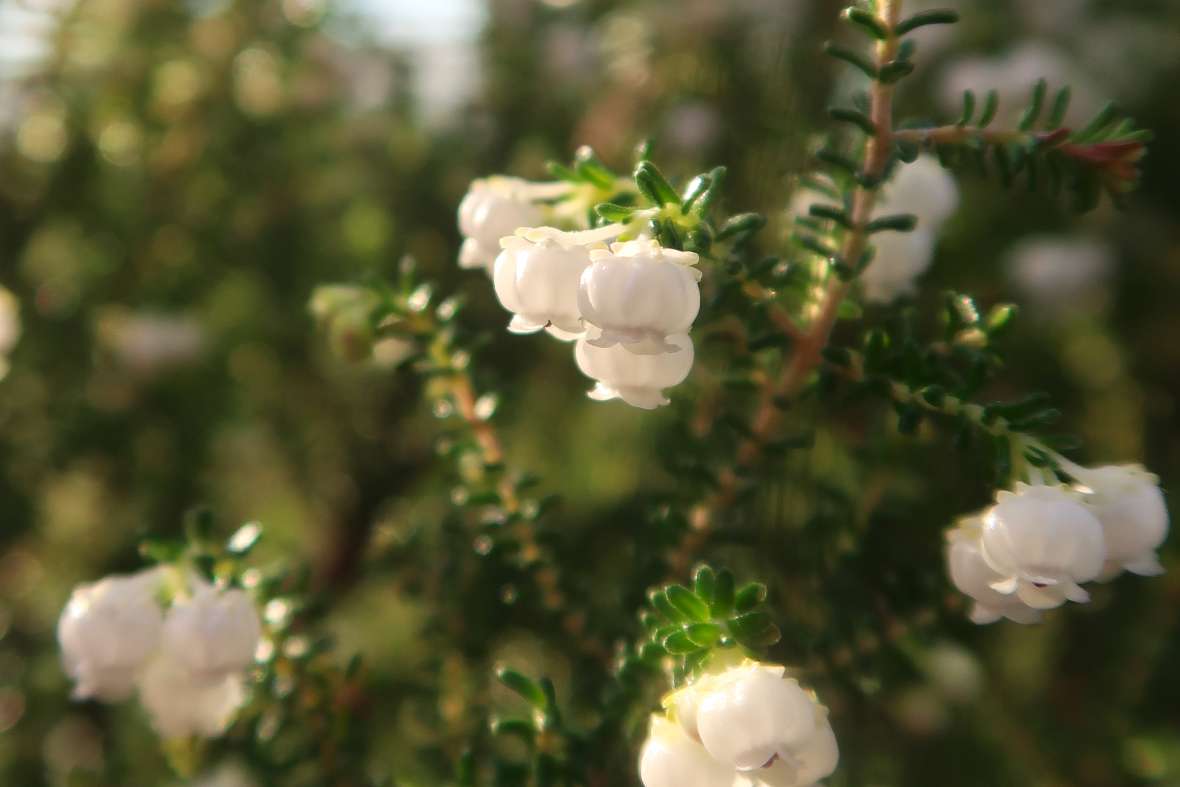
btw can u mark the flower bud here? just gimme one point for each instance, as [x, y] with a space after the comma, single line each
[974, 578]
[492, 209]
[750, 714]
[639, 380]
[638, 294]
[212, 633]
[181, 704]
[536, 278]
[107, 632]
[671, 759]
[1128, 502]
[1042, 541]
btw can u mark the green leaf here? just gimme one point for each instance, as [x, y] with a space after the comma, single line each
[831, 213]
[1000, 317]
[1030, 116]
[741, 226]
[866, 22]
[160, 550]
[614, 213]
[520, 728]
[706, 635]
[754, 630]
[687, 602]
[933, 17]
[991, 104]
[526, 687]
[659, 600]
[750, 596]
[1059, 108]
[654, 186]
[723, 598]
[853, 58]
[703, 203]
[895, 71]
[680, 643]
[855, 117]
[695, 189]
[704, 581]
[901, 222]
[590, 169]
[968, 109]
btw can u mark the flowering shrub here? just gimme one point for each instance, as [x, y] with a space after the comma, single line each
[744, 345]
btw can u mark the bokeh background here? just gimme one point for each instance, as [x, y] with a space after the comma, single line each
[176, 176]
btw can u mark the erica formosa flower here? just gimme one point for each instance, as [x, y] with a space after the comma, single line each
[637, 294]
[1128, 502]
[536, 278]
[494, 208]
[639, 380]
[1043, 542]
[108, 631]
[212, 632]
[973, 577]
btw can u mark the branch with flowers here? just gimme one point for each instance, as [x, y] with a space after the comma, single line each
[660, 293]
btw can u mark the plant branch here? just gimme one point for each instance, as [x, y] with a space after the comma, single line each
[809, 346]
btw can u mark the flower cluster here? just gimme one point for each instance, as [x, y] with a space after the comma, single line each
[9, 327]
[181, 643]
[746, 726]
[1037, 545]
[627, 301]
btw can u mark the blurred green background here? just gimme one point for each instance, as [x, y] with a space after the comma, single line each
[176, 176]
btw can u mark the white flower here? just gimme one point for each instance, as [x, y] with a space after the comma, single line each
[1043, 542]
[900, 258]
[536, 278]
[212, 633]
[639, 380]
[9, 327]
[748, 715]
[492, 209]
[974, 578]
[181, 704]
[1059, 271]
[926, 190]
[1128, 502]
[670, 758]
[107, 632]
[638, 294]
[807, 763]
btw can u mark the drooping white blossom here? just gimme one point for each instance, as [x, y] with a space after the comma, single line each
[639, 380]
[108, 631]
[814, 759]
[212, 633]
[1129, 504]
[973, 577]
[670, 758]
[9, 327]
[926, 190]
[637, 294]
[494, 208]
[181, 704]
[741, 725]
[749, 715]
[537, 277]
[1043, 541]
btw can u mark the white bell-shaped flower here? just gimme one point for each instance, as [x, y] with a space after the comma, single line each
[971, 574]
[536, 278]
[926, 190]
[213, 632]
[638, 294]
[923, 188]
[670, 758]
[181, 704]
[752, 714]
[639, 380]
[1130, 505]
[816, 758]
[1043, 542]
[108, 631]
[899, 259]
[492, 209]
